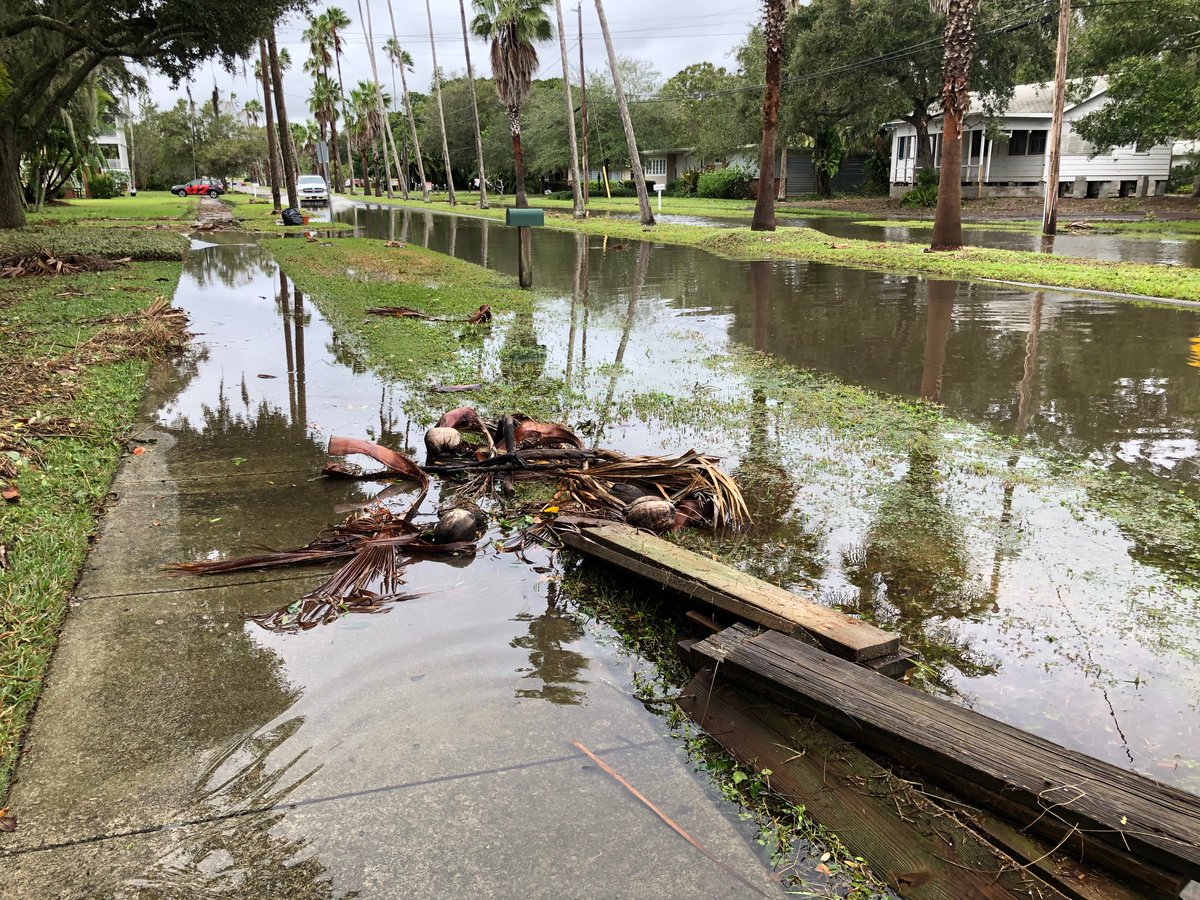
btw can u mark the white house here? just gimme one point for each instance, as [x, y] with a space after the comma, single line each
[1015, 164]
[114, 149]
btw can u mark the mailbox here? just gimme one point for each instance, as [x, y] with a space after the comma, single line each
[524, 218]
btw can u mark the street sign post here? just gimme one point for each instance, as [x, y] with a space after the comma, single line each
[523, 220]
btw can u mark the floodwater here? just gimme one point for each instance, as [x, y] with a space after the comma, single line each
[1013, 591]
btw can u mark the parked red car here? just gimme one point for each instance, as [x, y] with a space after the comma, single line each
[203, 186]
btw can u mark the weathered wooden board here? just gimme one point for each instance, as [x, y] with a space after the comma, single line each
[724, 587]
[1044, 788]
[920, 848]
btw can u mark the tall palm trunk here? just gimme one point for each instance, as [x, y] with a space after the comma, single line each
[337, 55]
[369, 34]
[275, 164]
[287, 151]
[576, 192]
[959, 49]
[635, 159]
[483, 200]
[331, 114]
[514, 125]
[764, 204]
[412, 121]
[437, 93]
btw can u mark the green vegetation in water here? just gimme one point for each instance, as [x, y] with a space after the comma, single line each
[66, 410]
[969, 264]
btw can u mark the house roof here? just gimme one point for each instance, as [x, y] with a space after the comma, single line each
[1036, 100]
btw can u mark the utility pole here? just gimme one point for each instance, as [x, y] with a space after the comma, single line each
[1050, 214]
[587, 175]
[437, 93]
[483, 200]
[635, 159]
[192, 123]
[132, 168]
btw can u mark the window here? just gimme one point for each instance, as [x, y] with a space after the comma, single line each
[110, 151]
[1027, 143]
[976, 150]
[656, 165]
[903, 147]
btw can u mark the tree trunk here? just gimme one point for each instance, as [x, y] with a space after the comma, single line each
[337, 55]
[514, 124]
[576, 191]
[764, 203]
[401, 173]
[635, 159]
[783, 169]
[956, 69]
[12, 203]
[437, 93]
[1196, 186]
[334, 157]
[483, 200]
[366, 172]
[285, 135]
[412, 122]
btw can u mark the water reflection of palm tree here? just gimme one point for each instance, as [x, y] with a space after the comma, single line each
[556, 667]
[635, 294]
[285, 315]
[299, 317]
[485, 227]
[912, 568]
[428, 230]
[578, 296]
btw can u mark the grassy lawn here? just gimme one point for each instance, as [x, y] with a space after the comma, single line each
[73, 381]
[97, 239]
[147, 208]
[1154, 229]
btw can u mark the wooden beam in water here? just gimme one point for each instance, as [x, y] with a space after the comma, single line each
[921, 848]
[721, 586]
[1117, 818]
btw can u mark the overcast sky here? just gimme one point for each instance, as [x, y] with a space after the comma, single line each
[699, 30]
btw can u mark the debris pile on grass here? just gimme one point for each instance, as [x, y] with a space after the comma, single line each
[44, 262]
[479, 464]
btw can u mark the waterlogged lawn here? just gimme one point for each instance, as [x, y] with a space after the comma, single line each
[148, 207]
[64, 413]
[970, 263]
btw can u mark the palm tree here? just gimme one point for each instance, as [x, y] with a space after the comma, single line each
[775, 21]
[338, 22]
[958, 51]
[322, 103]
[275, 163]
[403, 61]
[483, 200]
[437, 92]
[364, 109]
[320, 47]
[635, 159]
[576, 193]
[512, 26]
[287, 149]
[369, 36]
[252, 110]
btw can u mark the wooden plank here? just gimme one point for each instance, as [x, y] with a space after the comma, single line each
[1048, 789]
[722, 586]
[919, 847]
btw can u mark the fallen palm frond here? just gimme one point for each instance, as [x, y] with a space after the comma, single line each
[44, 262]
[155, 331]
[480, 316]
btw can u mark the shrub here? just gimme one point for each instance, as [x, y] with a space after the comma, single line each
[102, 186]
[724, 184]
[1182, 175]
[925, 193]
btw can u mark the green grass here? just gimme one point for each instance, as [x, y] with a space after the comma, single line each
[1154, 229]
[93, 240]
[62, 479]
[147, 207]
[412, 350]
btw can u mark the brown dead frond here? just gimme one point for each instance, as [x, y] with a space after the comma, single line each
[155, 331]
[43, 262]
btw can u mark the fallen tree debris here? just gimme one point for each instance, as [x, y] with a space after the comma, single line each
[43, 262]
[479, 317]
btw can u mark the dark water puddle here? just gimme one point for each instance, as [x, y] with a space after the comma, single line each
[1014, 590]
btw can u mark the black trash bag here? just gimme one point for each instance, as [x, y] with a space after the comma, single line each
[292, 216]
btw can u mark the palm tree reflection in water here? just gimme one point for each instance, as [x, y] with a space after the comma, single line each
[555, 666]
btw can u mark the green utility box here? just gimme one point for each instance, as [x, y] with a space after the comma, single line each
[524, 218]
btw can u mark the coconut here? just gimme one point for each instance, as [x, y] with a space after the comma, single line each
[442, 441]
[458, 523]
[626, 492]
[651, 513]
